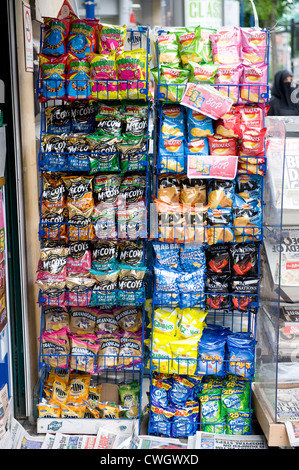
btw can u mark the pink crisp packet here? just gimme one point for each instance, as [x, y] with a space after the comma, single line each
[226, 46]
[253, 38]
[207, 100]
[226, 37]
[229, 75]
[253, 79]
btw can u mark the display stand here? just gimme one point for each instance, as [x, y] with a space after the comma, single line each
[177, 357]
[276, 382]
[112, 235]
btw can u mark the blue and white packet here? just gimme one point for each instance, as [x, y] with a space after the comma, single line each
[198, 126]
[191, 287]
[166, 291]
[167, 255]
[241, 353]
[192, 256]
[211, 353]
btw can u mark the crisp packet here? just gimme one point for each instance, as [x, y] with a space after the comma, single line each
[222, 146]
[82, 37]
[247, 217]
[241, 353]
[167, 255]
[256, 79]
[202, 73]
[184, 355]
[185, 420]
[226, 45]
[191, 322]
[78, 78]
[53, 77]
[111, 38]
[229, 75]
[199, 125]
[165, 321]
[56, 32]
[172, 82]
[168, 49]
[102, 69]
[189, 44]
[191, 289]
[253, 142]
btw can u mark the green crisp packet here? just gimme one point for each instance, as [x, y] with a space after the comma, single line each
[104, 153]
[190, 45]
[202, 73]
[133, 154]
[238, 421]
[129, 398]
[172, 82]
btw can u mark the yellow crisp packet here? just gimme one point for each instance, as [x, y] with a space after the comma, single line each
[165, 321]
[191, 322]
[68, 410]
[184, 355]
[108, 410]
[160, 352]
[47, 410]
[78, 388]
[60, 390]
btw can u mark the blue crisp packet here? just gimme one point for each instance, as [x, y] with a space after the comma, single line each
[191, 287]
[185, 420]
[167, 255]
[241, 351]
[249, 186]
[181, 390]
[192, 256]
[211, 353]
[166, 291]
[198, 125]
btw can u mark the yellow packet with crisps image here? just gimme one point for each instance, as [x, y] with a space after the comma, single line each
[191, 322]
[184, 355]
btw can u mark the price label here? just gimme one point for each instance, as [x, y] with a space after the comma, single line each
[203, 166]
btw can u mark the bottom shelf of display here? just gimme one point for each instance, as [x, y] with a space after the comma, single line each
[81, 426]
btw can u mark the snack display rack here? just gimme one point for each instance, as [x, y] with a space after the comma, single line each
[112, 240]
[198, 382]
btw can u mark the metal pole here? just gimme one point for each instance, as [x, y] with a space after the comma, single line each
[292, 44]
[89, 7]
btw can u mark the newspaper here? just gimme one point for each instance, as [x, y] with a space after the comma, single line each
[4, 410]
[21, 439]
[288, 404]
[204, 440]
[293, 432]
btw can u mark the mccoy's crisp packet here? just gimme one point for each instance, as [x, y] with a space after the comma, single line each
[207, 100]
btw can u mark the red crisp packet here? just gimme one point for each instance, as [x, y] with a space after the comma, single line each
[220, 147]
[253, 142]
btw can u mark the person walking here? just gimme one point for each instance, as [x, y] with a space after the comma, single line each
[282, 103]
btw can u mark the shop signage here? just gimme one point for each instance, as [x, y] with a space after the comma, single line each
[206, 13]
[28, 37]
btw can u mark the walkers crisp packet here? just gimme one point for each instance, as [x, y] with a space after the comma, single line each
[205, 99]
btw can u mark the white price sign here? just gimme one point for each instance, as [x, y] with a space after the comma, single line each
[28, 37]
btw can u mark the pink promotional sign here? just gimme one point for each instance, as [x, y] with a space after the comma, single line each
[209, 166]
[206, 99]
